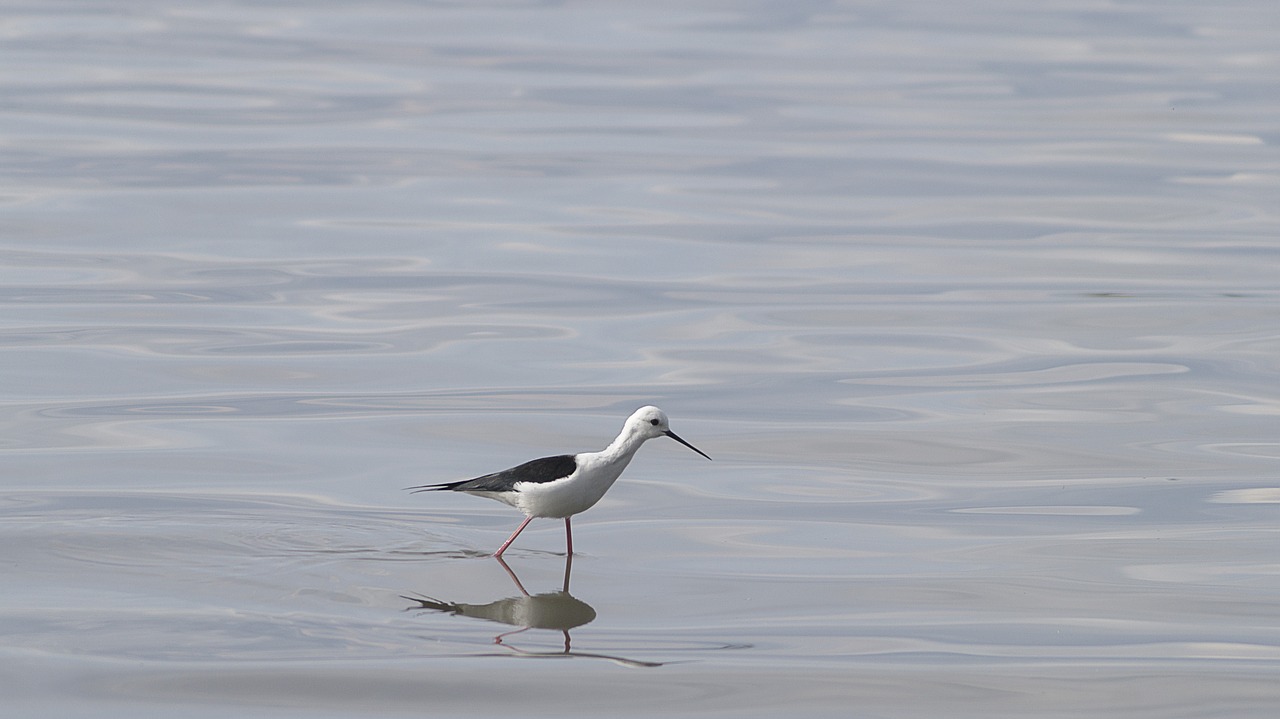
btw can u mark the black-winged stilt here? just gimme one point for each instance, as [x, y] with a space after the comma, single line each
[566, 484]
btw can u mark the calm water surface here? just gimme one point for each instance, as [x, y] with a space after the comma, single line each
[976, 310]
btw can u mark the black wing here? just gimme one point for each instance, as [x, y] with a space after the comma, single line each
[546, 469]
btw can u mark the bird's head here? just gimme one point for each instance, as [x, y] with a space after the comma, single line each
[651, 422]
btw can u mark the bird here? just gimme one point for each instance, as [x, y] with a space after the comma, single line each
[561, 486]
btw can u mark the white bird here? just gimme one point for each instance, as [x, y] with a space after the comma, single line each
[566, 484]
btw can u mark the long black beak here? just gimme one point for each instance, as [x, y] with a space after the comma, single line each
[672, 435]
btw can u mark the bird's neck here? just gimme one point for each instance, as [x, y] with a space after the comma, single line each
[622, 447]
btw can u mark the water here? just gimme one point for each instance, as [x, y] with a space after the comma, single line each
[973, 307]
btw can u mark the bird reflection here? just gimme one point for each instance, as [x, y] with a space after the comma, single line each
[557, 610]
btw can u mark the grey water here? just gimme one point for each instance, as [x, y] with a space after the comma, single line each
[976, 307]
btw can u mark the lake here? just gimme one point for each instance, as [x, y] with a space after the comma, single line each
[976, 308]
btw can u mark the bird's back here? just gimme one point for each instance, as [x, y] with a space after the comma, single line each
[536, 471]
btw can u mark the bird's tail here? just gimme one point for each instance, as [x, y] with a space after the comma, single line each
[434, 487]
[425, 602]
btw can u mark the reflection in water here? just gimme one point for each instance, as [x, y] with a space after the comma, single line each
[557, 610]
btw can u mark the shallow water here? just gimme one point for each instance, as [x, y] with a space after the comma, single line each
[974, 309]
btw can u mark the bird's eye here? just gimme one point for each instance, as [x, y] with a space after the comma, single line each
[653, 422]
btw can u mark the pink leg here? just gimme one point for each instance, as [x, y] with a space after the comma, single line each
[568, 538]
[513, 536]
[513, 576]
